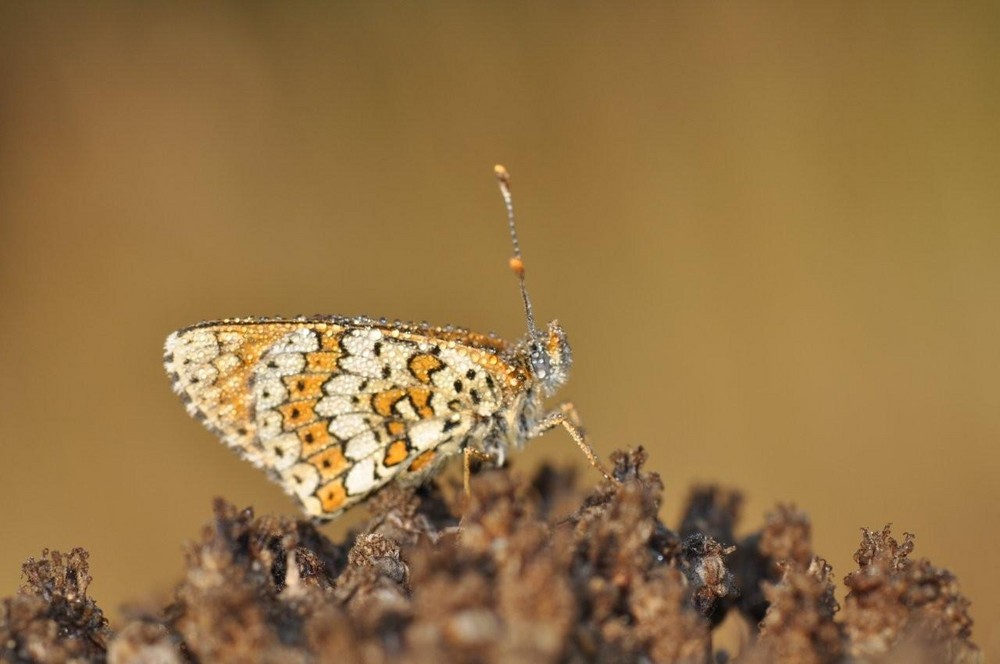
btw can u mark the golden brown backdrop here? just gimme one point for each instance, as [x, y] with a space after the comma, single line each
[772, 232]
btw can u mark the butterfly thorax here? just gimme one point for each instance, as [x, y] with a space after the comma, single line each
[546, 359]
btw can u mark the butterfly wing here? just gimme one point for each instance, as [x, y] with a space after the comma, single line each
[332, 409]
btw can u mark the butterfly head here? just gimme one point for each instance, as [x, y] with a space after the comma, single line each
[550, 357]
[548, 351]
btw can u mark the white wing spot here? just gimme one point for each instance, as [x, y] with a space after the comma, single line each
[361, 477]
[343, 383]
[302, 340]
[366, 366]
[348, 426]
[282, 451]
[268, 424]
[301, 479]
[334, 406]
[269, 391]
[361, 445]
[287, 364]
[424, 435]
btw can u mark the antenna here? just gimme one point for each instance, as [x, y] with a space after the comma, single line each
[516, 263]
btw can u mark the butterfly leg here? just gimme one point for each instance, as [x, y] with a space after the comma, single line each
[567, 417]
[470, 453]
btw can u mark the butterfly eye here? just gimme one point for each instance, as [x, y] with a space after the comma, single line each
[550, 358]
[539, 360]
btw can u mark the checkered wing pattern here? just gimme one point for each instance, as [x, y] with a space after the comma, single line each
[333, 409]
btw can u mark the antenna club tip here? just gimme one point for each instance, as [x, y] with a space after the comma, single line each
[516, 266]
[502, 174]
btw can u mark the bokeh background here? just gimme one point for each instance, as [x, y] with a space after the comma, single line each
[772, 232]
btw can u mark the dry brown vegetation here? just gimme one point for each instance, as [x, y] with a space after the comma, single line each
[519, 571]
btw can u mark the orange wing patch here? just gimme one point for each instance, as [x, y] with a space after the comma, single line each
[330, 462]
[333, 496]
[420, 397]
[305, 386]
[422, 461]
[322, 361]
[395, 454]
[382, 402]
[314, 437]
[297, 414]
[331, 341]
[423, 365]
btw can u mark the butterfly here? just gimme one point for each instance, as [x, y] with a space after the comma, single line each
[335, 408]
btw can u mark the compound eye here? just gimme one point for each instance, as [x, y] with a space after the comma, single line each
[539, 362]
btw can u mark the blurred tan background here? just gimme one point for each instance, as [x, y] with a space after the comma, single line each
[772, 233]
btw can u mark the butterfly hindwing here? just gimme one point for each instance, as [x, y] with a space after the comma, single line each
[334, 411]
